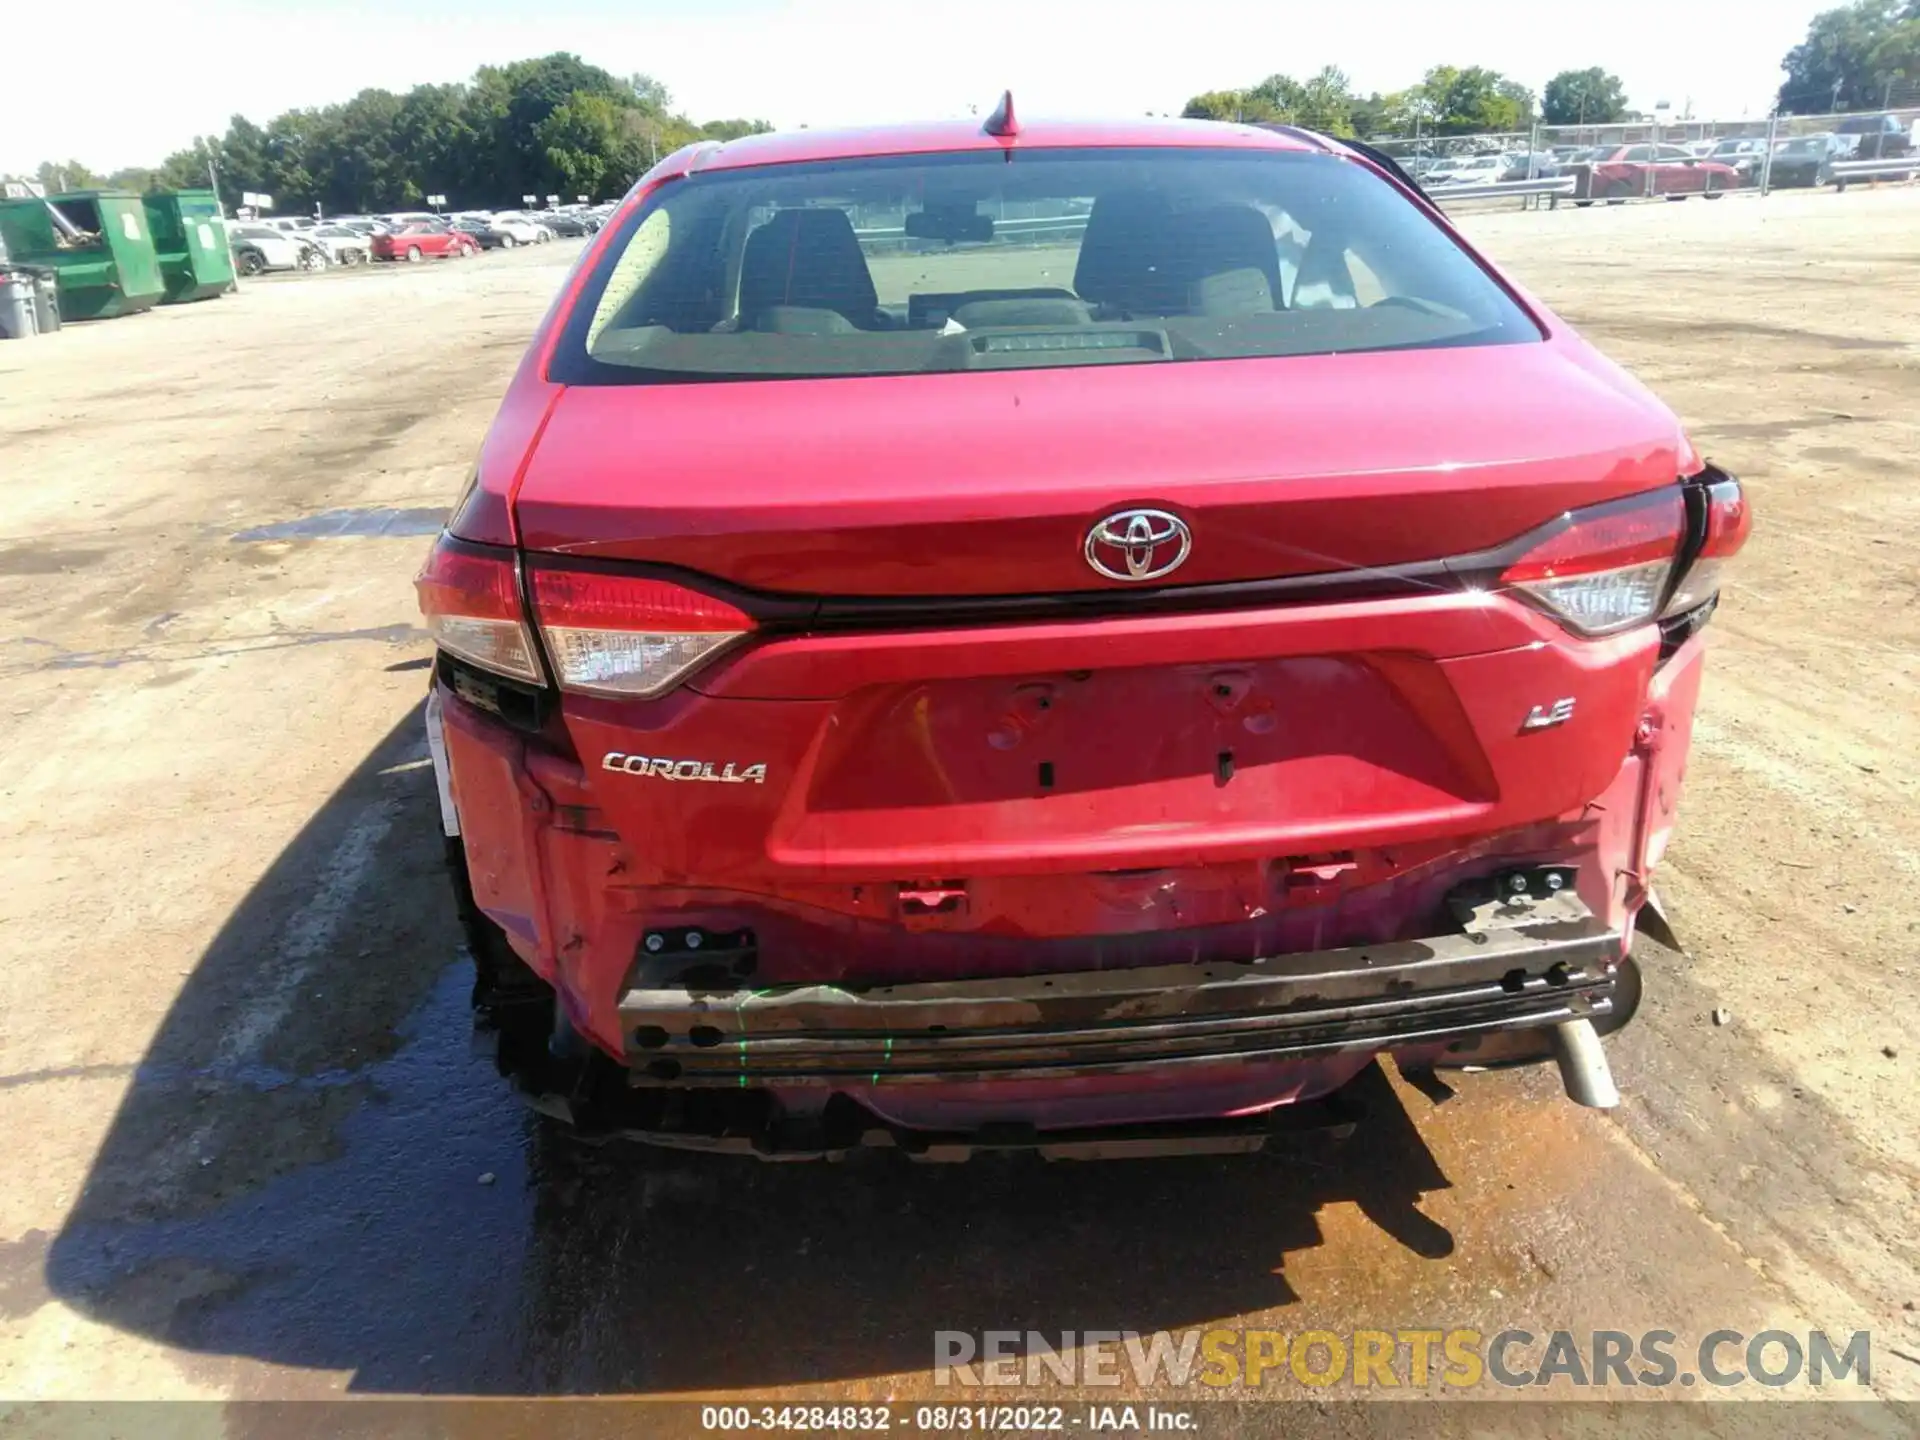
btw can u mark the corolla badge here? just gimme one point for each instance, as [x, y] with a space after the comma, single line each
[652, 767]
[1138, 545]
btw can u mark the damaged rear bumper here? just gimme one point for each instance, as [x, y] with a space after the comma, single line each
[1425, 997]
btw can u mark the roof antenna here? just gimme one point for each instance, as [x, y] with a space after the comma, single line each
[1003, 121]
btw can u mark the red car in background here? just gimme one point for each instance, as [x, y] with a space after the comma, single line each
[904, 679]
[1646, 169]
[422, 239]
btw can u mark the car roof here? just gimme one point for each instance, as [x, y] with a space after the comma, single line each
[794, 146]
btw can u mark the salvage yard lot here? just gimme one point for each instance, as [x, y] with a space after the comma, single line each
[249, 1149]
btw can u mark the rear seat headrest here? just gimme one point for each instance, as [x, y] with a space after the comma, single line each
[1140, 255]
[809, 259]
[1224, 241]
[1125, 237]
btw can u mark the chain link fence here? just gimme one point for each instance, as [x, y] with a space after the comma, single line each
[1665, 159]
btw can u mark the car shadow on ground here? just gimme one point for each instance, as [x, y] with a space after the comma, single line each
[315, 1166]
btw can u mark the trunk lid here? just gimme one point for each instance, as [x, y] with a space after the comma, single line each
[988, 483]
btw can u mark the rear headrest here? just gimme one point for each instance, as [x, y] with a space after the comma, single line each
[1139, 255]
[1124, 240]
[810, 259]
[1223, 240]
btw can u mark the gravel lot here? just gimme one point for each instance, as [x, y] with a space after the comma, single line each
[251, 1153]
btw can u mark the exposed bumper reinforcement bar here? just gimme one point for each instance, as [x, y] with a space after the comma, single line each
[1417, 993]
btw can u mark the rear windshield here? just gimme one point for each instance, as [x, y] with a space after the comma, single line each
[980, 261]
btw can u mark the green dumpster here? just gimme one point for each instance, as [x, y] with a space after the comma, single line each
[191, 238]
[98, 244]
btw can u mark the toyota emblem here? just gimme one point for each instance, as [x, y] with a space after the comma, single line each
[1138, 544]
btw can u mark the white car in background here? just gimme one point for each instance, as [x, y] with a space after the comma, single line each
[258, 247]
[1472, 170]
[514, 228]
[344, 244]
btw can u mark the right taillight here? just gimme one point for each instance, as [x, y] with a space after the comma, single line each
[1729, 522]
[1604, 568]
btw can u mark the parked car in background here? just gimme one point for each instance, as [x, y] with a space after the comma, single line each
[1746, 156]
[1155, 758]
[570, 223]
[291, 224]
[343, 244]
[388, 224]
[482, 231]
[1467, 170]
[1629, 170]
[1805, 160]
[1537, 165]
[514, 228]
[257, 248]
[423, 239]
[1875, 137]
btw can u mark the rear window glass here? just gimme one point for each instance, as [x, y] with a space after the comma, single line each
[1055, 257]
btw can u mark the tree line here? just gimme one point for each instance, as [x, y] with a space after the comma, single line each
[1861, 56]
[1448, 100]
[554, 125]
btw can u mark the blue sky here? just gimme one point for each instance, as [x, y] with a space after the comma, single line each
[826, 62]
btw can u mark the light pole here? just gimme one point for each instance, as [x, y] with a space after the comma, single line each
[213, 175]
[1660, 109]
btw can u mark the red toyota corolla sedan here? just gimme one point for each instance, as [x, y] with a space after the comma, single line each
[421, 240]
[1056, 635]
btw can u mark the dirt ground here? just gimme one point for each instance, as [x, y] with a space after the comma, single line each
[251, 1152]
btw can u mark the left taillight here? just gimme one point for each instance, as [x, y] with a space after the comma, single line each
[470, 596]
[629, 635]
